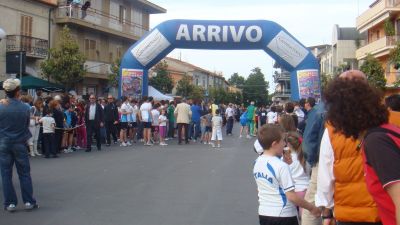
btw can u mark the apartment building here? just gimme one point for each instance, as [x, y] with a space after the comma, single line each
[26, 24]
[342, 51]
[104, 31]
[379, 40]
[177, 69]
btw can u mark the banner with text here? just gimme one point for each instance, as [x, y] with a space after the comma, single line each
[308, 83]
[132, 83]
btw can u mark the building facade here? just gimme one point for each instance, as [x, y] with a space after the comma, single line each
[104, 31]
[26, 24]
[377, 40]
[200, 77]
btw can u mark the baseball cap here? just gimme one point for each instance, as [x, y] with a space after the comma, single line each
[11, 84]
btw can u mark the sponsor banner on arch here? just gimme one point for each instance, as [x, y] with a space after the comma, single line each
[132, 82]
[309, 84]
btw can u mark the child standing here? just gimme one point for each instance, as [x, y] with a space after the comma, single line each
[49, 125]
[274, 182]
[155, 123]
[243, 124]
[162, 120]
[216, 129]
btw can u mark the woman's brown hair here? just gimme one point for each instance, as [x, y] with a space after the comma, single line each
[294, 139]
[287, 123]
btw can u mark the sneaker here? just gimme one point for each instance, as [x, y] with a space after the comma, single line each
[141, 140]
[213, 145]
[240, 136]
[123, 144]
[248, 136]
[10, 208]
[166, 139]
[128, 143]
[205, 143]
[149, 144]
[29, 206]
[218, 146]
[70, 150]
[163, 144]
[65, 151]
[78, 147]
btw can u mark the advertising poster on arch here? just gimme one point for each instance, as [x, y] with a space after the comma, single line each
[132, 83]
[308, 82]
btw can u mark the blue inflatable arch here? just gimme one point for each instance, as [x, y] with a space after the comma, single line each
[207, 34]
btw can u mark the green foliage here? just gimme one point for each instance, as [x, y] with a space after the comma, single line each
[113, 77]
[219, 95]
[162, 81]
[394, 56]
[197, 93]
[388, 27]
[184, 87]
[65, 64]
[374, 71]
[325, 79]
[236, 80]
[256, 88]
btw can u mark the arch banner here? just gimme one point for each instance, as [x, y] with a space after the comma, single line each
[265, 35]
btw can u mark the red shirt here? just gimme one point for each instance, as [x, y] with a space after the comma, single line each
[381, 156]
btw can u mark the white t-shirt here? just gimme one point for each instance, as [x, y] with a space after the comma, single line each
[155, 114]
[300, 178]
[162, 118]
[145, 109]
[47, 122]
[273, 180]
[272, 117]
[229, 112]
[216, 122]
[125, 108]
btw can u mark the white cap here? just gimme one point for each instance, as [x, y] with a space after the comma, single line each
[11, 84]
[57, 98]
[258, 148]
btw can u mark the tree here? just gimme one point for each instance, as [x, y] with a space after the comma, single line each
[197, 93]
[162, 81]
[236, 80]
[325, 79]
[184, 87]
[219, 95]
[113, 77]
[256, 88]
[65, 64]
[374, 71]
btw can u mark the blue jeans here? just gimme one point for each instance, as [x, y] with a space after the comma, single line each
[229, 125]
[194, 130]
[17, 153]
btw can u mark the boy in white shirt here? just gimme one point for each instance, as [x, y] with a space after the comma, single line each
[216, 129]
[276, 190]
[49, 125]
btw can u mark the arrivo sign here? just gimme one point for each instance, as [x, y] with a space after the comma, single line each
[211, 33]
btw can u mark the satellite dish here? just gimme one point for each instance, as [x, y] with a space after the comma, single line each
[2, 34]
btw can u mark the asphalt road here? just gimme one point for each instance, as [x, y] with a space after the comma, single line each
[190, 184]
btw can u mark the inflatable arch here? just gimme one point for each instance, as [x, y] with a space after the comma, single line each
[207, 34]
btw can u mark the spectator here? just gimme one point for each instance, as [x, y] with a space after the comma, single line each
[183, 114]
[94, 118]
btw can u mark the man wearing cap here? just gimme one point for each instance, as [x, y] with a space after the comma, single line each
[14, 134]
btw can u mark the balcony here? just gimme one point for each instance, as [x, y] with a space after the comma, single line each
[97, 69]
[99, 21]
[377, 48]
[34, 47]
[376, 14]
[282, 95]
[283, 76]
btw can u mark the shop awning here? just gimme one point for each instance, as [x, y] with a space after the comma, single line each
[31, 82]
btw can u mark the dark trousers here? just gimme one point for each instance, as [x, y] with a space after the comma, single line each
[49, 144]
[180, 127]
[229, 125]
[270, 220]
[91, 129]
[58, 139]
[194, 130]
[171, 129]
[10, 154]
[111, 130]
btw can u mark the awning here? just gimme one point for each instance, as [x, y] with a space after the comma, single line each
[157, 95]
[31, 82]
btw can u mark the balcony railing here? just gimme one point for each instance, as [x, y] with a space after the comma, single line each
[34, 47]
[281, 76]
[377, 46]
[376, 11]
[282, 93]
[92, 17]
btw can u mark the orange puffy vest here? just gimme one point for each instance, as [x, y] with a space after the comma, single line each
[353, 203]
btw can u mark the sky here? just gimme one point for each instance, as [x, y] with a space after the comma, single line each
[310, 21]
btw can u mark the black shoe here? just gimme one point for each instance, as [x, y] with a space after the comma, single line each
[88, 150]
[98, 149]
[10, 208]
[29, 206]
[54, 156]
[47, 156]
[108, 145]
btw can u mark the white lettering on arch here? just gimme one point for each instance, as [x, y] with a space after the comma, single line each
[183, 32]
[198, 32]
[236, 36]
[214, 33]
[258, 33]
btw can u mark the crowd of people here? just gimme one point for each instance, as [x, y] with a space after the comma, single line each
[341, 163]
[336, 160]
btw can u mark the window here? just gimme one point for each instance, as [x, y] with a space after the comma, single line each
[90, 49]
[26, 30]
[122, 14]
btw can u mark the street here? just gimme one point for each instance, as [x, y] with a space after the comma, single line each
[191, 184]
